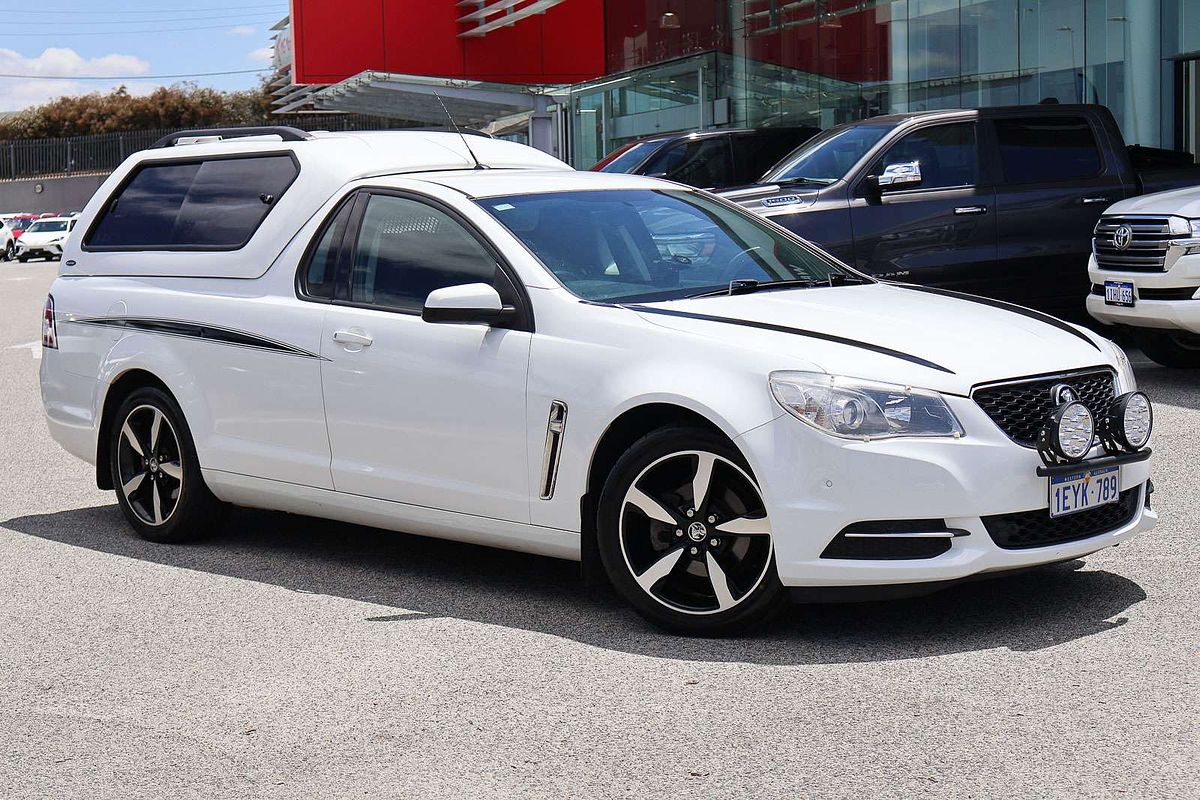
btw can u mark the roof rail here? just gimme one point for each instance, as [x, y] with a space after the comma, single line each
[285, 132]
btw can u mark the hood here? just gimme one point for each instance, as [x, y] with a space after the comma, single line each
[764, 198]
[1181, 202]
[889, 333]
[43, 238]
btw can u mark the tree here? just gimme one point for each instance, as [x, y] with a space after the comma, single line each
[183, 105]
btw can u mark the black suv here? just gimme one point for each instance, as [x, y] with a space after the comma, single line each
[708, 160]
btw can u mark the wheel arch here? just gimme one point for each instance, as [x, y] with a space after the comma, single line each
[120, 388]
[629, 426]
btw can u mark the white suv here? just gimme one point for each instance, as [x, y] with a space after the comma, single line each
[461, 337]
[1145, 272]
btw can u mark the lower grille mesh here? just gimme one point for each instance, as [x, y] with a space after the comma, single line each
[1036, 529]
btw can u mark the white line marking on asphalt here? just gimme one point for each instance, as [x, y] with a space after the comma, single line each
[35, 349]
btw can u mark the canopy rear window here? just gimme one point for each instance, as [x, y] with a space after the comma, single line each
[209, 204]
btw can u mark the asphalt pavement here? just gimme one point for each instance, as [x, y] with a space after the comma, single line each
[287, 657]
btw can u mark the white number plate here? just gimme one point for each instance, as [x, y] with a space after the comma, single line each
[1118, 293]
[1079, 491]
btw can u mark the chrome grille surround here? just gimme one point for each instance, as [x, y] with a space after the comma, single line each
[1147, 249]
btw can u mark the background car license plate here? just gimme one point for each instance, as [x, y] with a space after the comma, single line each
[1118, 293]
[1079, 491]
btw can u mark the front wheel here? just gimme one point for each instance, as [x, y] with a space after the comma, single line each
[1178, 349]
[10, 251]
[156, 472]
[684, 535]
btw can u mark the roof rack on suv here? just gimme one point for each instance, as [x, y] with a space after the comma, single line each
[284, 132]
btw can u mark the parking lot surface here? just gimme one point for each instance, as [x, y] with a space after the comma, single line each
[287, 657]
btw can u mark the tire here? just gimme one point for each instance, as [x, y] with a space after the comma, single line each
[10, 251]
[156, 473]
[1177, 349]
[660, 558]
[22, 258]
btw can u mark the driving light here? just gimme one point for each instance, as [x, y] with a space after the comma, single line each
[1126, 424]
[1068, 433]
[858, 409]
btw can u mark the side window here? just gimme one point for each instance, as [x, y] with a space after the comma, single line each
[215, 204]
[406, 249]
[318, 276]
[947, 154]
[1042, 149]
[701, 162]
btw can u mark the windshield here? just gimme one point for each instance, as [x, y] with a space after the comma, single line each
[647, 244]
[48, 227]
[829, 156]
[628, 157]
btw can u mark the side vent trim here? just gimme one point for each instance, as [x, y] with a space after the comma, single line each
[556, 427]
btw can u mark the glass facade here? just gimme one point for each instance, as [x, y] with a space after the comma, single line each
[679, 65]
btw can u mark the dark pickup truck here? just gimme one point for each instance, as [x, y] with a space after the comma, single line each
[999, 202]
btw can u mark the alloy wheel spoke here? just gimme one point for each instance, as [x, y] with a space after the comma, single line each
[649, 506]
[720, 583]
[155, 427]
[746, 526]
[660, 569]
[703, 479]
[133, 484]
[156, 503]
[172, 469]
[127, 432]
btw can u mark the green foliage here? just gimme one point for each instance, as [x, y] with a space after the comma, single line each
[184, 105]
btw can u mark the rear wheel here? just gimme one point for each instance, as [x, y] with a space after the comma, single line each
[1171, 348]
[156, 472]
[684, 535]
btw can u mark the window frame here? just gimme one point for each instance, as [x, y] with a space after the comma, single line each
[981, 173]
[996, 120]
[348, 249]
[86, 246]
[339, 252]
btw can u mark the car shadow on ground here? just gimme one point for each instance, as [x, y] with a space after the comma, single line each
[423, 578]
[1169, 387]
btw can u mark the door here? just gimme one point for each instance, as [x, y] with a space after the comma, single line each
[424, 413]
[1053, 189]
[941, 232]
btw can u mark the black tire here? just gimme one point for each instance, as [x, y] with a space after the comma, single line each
[1177, 349]
[169, 502]
[10, 251]
[682, 594]
[22, 258]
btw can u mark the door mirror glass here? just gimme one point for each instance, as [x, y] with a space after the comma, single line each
[468, 303]
[902, 175]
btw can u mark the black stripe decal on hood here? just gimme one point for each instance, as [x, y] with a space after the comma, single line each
[1013, 307]
[767, 326]
[196, 330]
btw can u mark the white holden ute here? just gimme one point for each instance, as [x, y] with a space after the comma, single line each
[459, 337]
[1145, 272]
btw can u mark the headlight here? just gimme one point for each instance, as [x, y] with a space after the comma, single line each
[1126, 381]
[858, 409]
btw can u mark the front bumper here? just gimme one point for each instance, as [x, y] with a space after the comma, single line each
[39, 251]
[814, 486]
[1177, 314]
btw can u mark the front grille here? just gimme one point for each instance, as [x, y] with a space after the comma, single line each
[1147, 251]
[1020, 407]
[1026, 529]
[1173, 293]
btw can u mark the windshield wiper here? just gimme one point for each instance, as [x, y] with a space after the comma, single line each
[749, 286]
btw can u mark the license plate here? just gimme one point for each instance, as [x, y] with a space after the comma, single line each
[1118, 293]
[1079, 491]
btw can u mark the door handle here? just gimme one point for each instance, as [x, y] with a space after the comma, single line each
[352, 337]
[1087, 201]
[961, 210]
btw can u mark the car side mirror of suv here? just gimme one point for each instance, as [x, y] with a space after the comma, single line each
[469, 303]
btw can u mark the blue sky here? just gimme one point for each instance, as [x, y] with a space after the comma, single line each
[70, 39]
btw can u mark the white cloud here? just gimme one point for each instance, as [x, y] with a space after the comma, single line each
[243, 30]
[18, 93]
[262, 55]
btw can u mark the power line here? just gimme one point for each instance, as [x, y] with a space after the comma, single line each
[115, 19]
[134, 77]
[52, 33]
[24, 12]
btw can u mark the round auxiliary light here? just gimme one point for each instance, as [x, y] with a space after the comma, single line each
[1127, 422]
[1068, 433]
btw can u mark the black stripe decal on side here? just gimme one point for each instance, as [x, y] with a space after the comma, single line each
[767, 326]
[197, 330]
[1014, 308]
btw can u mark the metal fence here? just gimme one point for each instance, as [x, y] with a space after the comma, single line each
[79, 155]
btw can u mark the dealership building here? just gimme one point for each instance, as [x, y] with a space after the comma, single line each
[578, 78]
